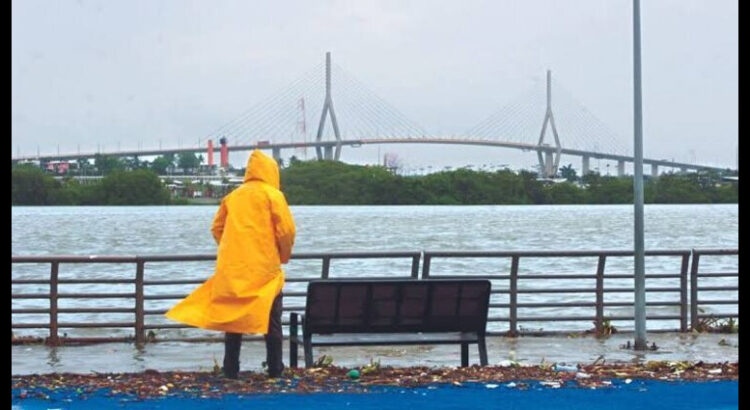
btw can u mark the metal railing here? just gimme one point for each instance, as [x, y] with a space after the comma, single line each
[599, 290]
[139, 296]
[687, 290]
[695, 286]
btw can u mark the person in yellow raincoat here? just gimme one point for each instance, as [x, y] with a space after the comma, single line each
[255, 232]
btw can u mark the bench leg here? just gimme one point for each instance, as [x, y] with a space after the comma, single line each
[293, 337]
[464, 354]
[308, 352]
[293, 352]
[482, 351]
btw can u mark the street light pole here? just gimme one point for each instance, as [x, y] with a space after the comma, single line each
[640, 278]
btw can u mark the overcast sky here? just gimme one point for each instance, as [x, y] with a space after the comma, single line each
[139, 72]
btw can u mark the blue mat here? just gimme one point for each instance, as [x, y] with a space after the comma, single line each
[640, 394]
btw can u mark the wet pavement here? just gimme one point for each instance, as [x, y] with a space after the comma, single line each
[180, 356]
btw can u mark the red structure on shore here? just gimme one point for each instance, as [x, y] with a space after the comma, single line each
[224, 153]
[210, 153]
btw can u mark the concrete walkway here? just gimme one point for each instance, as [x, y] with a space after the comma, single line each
[118, 357]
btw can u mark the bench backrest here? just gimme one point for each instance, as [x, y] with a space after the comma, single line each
[397, 306]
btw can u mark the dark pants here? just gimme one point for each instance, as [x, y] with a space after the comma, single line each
[233, 342]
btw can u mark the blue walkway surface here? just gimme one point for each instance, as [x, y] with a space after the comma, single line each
[639, 394]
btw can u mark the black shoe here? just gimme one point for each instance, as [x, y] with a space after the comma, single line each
[276, 373]
[230, 374]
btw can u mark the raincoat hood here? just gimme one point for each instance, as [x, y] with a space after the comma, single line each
[261, 167]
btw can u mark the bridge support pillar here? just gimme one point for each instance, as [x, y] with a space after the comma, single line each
[620, 168]
[585, 167]
[276, 152]
[328, 110]
[654, 170]
[549, 165]
[337, 154]
[683, 170]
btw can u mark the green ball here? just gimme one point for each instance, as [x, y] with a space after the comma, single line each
[353, 374]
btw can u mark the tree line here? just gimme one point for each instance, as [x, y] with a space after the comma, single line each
[31, 186]
[337, 183]
[186, 162]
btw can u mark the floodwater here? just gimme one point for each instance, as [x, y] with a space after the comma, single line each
[185, 230]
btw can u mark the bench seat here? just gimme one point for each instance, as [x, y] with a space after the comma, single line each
[380, 339]
[392, 312]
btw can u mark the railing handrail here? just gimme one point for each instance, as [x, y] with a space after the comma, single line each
[198, 257]
[570, 253]
[716, 251]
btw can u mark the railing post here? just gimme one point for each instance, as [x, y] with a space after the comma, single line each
[600, 293]
[326, 267]
[54, 339]
[694, 290]
[684, 293]
[514, 297]
[140, 336]
[426, 266]
[415, 266]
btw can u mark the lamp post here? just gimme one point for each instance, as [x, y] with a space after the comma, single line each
[640, 278]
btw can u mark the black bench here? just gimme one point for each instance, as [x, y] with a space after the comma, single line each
[392, 312]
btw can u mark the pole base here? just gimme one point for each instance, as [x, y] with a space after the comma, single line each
[635, 346]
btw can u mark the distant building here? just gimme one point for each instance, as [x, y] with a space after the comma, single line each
[59, 167]
[30, 162]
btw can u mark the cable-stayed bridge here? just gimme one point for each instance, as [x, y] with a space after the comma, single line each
[343, 112]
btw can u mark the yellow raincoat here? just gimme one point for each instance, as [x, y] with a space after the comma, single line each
[255, 233]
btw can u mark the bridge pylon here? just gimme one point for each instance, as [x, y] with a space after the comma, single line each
[328, 109]
[547, 165]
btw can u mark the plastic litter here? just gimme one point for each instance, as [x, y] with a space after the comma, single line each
[565, 368]
[353, 374]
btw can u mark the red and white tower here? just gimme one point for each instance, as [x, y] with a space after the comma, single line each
[210, 154]
[224, 153]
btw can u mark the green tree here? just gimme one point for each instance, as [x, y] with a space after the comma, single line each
[564, 193]
[161, 164]
[31, 186]
[188, 161]
[676, 189]
[532, 187]
[107, 164]
[568, 173]
[134, 162]
[139, 187]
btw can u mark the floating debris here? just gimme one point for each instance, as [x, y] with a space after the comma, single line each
[152, 383]
[565, 368]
